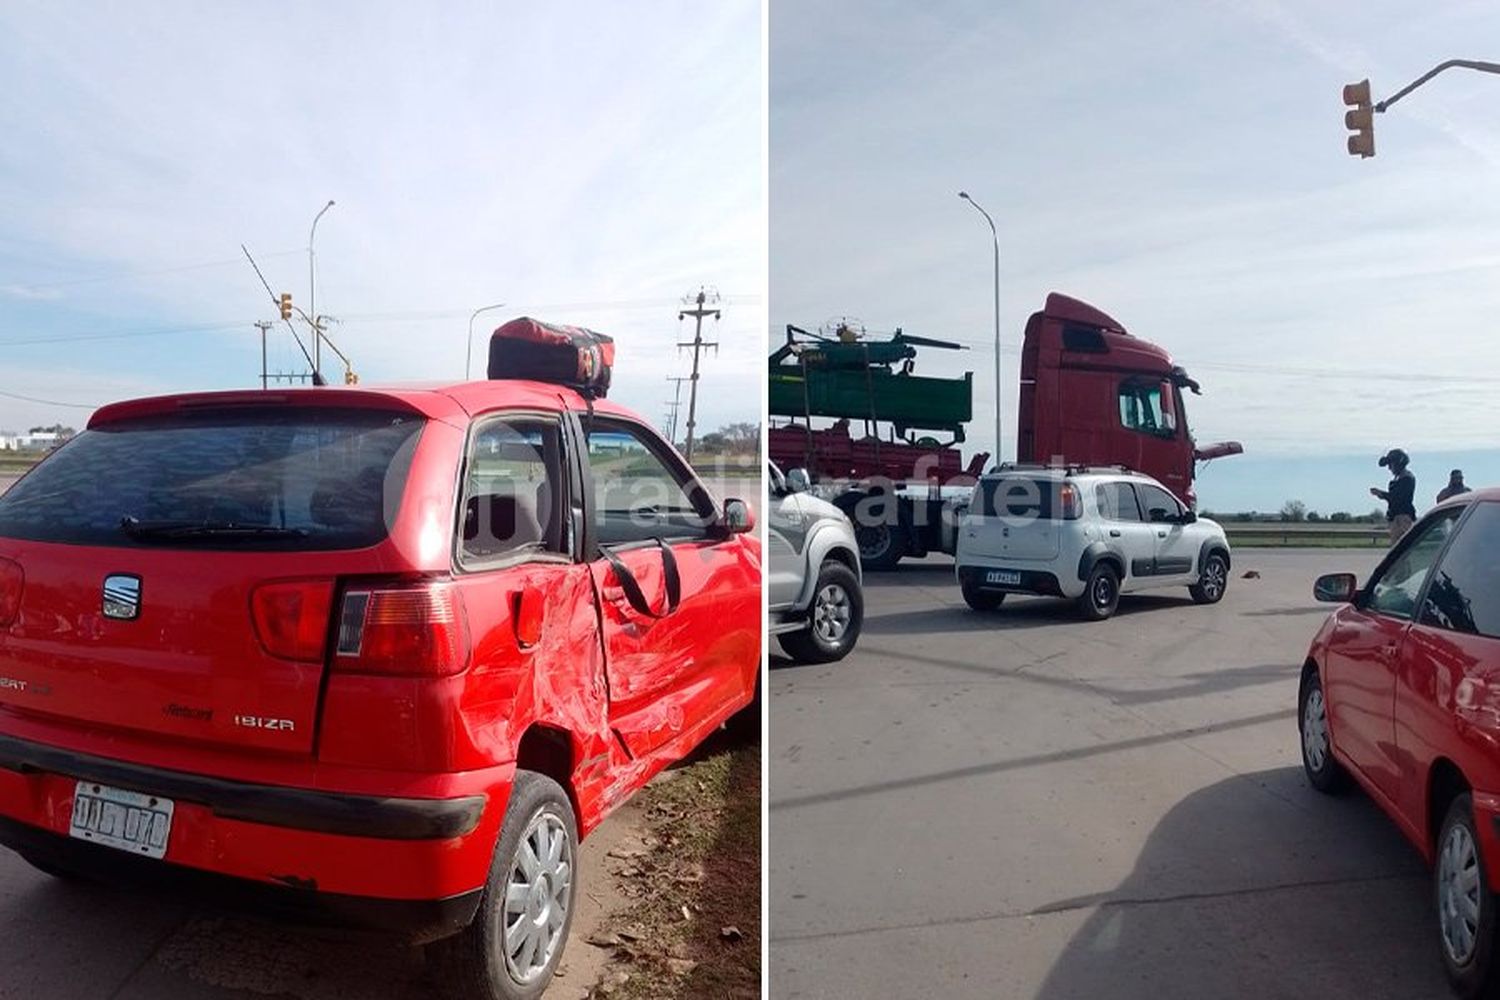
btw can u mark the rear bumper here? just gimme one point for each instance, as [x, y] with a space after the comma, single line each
[1032, 581]
[387, 861]
[273, 805]
[416, 919]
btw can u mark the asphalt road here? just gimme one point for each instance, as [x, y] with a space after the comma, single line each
[1020, 805]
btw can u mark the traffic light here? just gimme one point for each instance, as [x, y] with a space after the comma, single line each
[1361, 121]
[350, 378]
[286, 305]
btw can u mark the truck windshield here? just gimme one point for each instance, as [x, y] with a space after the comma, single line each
[251, 478]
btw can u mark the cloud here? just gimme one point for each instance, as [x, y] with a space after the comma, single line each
[476, 154]
[1181, 167]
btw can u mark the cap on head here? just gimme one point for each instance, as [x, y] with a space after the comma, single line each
[1456, 474]
[1395, 459]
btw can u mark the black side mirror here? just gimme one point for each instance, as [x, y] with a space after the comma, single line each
[1188, 517]
[1336, 588]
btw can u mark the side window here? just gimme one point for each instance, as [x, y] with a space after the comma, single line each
[638, 492]
[1394, 592]
[514, 491]
[1117, 502]
[1147, 407]
[1465, 593]
[1157, 502]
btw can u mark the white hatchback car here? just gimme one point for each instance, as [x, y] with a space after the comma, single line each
[1086, 534]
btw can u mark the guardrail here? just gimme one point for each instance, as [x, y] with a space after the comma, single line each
[1293, 533]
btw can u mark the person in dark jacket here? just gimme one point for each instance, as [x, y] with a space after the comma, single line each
[1399, 496]
[1456, 485]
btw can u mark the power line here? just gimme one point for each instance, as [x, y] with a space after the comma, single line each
[49, 402]
[37, 286]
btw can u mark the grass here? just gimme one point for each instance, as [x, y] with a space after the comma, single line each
[694, 931]
[1309, 541]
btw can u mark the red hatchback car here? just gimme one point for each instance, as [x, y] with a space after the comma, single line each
[1401, 690]
[379, 655]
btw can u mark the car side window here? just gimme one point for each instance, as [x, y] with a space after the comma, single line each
[640, 491]
[1465, 592]
[1394, 591]
[1117, 502]
[1158, 504]
[513, 491]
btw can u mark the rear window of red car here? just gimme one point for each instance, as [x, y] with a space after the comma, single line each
[264, 479]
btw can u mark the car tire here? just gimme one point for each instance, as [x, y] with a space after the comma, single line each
[881, 546]
[1464, 904]
[492, 958]
[835, 617]
[1101, 593]
[982, 600]
[1323, 771]
[1213, 580]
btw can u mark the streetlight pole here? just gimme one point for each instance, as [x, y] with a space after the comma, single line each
[469, 357]
[312, 289]
[995, 236]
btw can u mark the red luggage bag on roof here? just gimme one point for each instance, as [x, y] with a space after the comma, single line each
[526, 348]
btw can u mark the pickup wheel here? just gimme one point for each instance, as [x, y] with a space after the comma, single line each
[1212, 579]
[1101, 593]
[982, 600]
[834, 619]
[512, 948]
[1465, 906]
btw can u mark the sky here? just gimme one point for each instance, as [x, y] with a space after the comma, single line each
[587, 168]
[1182, 167]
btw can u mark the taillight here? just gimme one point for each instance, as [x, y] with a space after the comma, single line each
[1072, 509]
[12, 582]
[291, 619]
[415, 631]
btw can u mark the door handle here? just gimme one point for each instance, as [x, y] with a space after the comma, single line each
[527, 615]
[1161, 534]
[1114, 532]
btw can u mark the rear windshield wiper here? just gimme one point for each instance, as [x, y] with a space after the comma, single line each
[177, 530]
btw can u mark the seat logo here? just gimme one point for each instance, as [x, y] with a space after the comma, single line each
[122, 596]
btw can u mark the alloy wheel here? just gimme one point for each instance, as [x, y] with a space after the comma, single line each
[537, 895]
[1213, 578]
[832, 613]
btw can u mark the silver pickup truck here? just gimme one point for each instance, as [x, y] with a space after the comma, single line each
[813, 585]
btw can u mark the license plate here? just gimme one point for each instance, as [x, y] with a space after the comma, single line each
[126, 821]
[1004, 577]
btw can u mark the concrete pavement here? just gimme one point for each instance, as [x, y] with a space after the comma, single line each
[1020, 804]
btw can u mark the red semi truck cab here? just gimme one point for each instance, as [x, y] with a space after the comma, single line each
[1093, 394]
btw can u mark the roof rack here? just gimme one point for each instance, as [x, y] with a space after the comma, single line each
[1067, 468]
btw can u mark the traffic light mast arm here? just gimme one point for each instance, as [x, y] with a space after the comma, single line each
[1483, 67]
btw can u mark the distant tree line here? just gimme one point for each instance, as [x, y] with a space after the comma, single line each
[1296, 512]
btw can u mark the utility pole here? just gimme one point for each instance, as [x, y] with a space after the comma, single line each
[700, 309]
[263, 326]
[676, 404]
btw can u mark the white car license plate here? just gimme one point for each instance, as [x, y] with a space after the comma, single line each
[1004, 577]
[126, 821]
